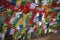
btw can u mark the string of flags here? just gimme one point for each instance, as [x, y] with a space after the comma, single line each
[16, 18]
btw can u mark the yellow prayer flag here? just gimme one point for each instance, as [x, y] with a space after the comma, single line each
[24, 30]
[4, 29]
[20, 22]
[24, 16]
[18, 2]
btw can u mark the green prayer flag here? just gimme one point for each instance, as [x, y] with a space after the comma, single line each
[10, 13]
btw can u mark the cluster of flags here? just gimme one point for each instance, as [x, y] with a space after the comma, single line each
[18, 18]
